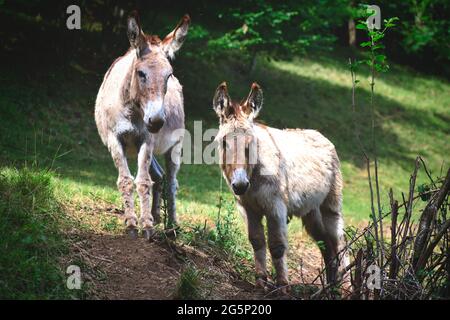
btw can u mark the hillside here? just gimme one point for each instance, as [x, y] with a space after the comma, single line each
[47, 110]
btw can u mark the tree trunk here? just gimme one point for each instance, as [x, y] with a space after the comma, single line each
[351, 33]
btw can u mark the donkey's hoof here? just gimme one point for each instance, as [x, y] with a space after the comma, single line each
[132, 233]
[148, 234]
[283, 290]
[262, 285]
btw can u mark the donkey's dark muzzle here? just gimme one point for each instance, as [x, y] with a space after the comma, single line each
[155, 126]
[240, 188]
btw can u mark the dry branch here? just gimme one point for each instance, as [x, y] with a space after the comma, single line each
[416, 261]
[424, 230]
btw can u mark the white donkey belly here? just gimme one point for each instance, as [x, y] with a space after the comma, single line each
[301, 203]
[304, 190]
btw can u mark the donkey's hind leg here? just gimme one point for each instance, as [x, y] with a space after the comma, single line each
[157, 175]
[173, 159]
[334, 226]
[328, 246]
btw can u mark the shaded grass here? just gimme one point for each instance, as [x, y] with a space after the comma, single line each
[31, 240]
[226, 237]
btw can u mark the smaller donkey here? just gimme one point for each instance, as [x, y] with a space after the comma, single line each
[139, 109]
[277, 174]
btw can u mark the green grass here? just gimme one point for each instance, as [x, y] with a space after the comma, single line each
[412, 113]
[50, 123]
[31, 239]
[189, 286]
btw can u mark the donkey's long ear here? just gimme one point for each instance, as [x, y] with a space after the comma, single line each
[221, 100]
[174, 40]
[134, 32]
[254, 101]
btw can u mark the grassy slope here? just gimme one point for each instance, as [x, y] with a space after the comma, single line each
[413, 113]
[56, 118]
[49, 121]
[31, 236]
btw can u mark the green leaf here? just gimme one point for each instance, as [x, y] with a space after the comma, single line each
[390, 22]
[365, 44]
[361, 26]
[380, 57]
[378, 67]
[377, 36]
[423, 189]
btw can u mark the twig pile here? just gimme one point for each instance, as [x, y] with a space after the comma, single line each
[413, 261]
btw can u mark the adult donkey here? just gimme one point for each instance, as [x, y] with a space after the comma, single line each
[139, 109]
[277, 174]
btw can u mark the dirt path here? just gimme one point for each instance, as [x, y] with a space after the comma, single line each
[121, 268]
[115, 266]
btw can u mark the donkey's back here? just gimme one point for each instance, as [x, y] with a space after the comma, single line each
[306, 167]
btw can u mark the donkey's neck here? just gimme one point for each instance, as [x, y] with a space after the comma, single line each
[126, 95]
[117, 82]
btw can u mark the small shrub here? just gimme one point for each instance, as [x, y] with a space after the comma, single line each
[226, 239]
[189, 285]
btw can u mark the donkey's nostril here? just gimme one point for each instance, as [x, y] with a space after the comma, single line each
[240, 188]
[155, 125]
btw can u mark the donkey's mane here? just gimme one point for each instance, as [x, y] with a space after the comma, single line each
[236, 110]
[153, 39]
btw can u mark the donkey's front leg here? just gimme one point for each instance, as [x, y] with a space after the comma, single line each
[277, 233]
[124, 184]
[173, 158]
[258, 241]
[144, 185]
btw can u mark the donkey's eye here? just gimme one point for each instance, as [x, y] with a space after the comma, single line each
[141, 75]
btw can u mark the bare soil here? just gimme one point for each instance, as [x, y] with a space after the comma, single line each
[122, 268]
[116, 267]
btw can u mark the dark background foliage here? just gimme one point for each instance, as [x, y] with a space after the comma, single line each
[277, 28]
